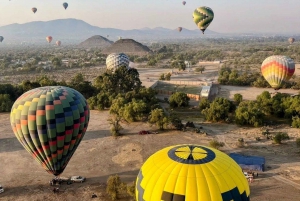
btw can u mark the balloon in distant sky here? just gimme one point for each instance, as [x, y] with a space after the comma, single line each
[107, 36]
[50, 123]
[1, 38]
[191, 173]
[291, 40]
[183, 2]
[58, 43]
[203, 16]
[49, 39]
[179, 29]
[116, 60]
[277, 69]
[65, 5]
[34, 10]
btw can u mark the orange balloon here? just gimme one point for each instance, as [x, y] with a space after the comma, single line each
[49, 39]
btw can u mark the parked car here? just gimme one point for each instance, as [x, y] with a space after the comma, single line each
[143, 132]
[1, 189]
[78, 179]
[247, 175]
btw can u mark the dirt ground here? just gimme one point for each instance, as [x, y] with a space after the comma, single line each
[100, 155]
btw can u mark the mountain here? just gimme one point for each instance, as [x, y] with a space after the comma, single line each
[127, 46]
[74, 31]
[96, 41]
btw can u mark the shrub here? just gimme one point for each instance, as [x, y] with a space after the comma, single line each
[240, 142]
[280, 136]
[131, 190]
[257, 138]
[114, 186]
[216, 144]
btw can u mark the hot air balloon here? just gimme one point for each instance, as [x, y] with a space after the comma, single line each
[1, 38]
[58, 43]
[49, 39]
[116, 60]
[183, 2]
[291, 40]
[179, 29]
[191, 172]
[203, 16]
[277, 69]
[65, 5]
[34, 10]
[50, 122]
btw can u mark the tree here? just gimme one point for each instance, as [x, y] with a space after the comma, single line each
[115, 125]
[279, 137]
[99, 102]
[203, 103]
[200, 69]
[158, 117]
[179, 99]
[115, 186]
[168, 76]
[5, 103]
[298, 142]
[237, 98]
[162, 77]
[216, 144]
[249, 113]
[218, 110]
[56, 62]
[265, 102]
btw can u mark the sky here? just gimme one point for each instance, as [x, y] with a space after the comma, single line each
[231, 16]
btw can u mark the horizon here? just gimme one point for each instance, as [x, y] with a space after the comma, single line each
[249, 16]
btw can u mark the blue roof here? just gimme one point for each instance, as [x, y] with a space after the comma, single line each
[249, 162]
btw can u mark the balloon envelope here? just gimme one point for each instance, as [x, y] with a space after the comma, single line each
[183, 2]
[1, 38]
[49, 39]
[50, 122]
[65, 5]
[34, 10]
[191, 172]
[277, 69]
[58, 43]
[179, 29]
[116, 60]
[203, 16]
[291, 40]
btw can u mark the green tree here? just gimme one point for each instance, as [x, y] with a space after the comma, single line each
[158, 117]
[168, 76]
[218, 110]
[115, 125]
[203, 103]
[115, 186]
[179, 99]
[237, 98]
[249, 113]
[265, 102]
[56, 62]
[162, 77]
[200, 69]
[99, 102]
[5, 103]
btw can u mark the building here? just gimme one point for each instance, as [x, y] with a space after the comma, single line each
[205, 91]
[252, 163]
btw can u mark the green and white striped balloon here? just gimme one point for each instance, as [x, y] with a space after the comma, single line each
[203, 16]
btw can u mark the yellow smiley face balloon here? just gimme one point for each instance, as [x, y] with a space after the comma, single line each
[191, 173]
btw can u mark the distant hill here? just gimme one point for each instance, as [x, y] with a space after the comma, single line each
[127, 46]
[75, 31]
[96, 41]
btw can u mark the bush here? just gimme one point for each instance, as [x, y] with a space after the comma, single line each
[257, 138]
[114, 186]
[241, 142]
[280, 136]
[131, 190]
[216, 144]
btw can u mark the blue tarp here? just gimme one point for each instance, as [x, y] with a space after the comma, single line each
[254, 163]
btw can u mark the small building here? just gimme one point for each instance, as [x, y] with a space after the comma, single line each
[205, 91]
[252, 163]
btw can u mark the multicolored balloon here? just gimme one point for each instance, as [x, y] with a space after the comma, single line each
[203, 16]
[191, 172]
[1, 38]
[34, 10]
[183, 2]
[291, 40]
[58, 43]
[49, 39]
[116, 60]
[50, 122]
[179, 29]
[65, 5]
[277, 69]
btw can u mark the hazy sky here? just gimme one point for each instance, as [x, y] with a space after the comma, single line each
[230, 15]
